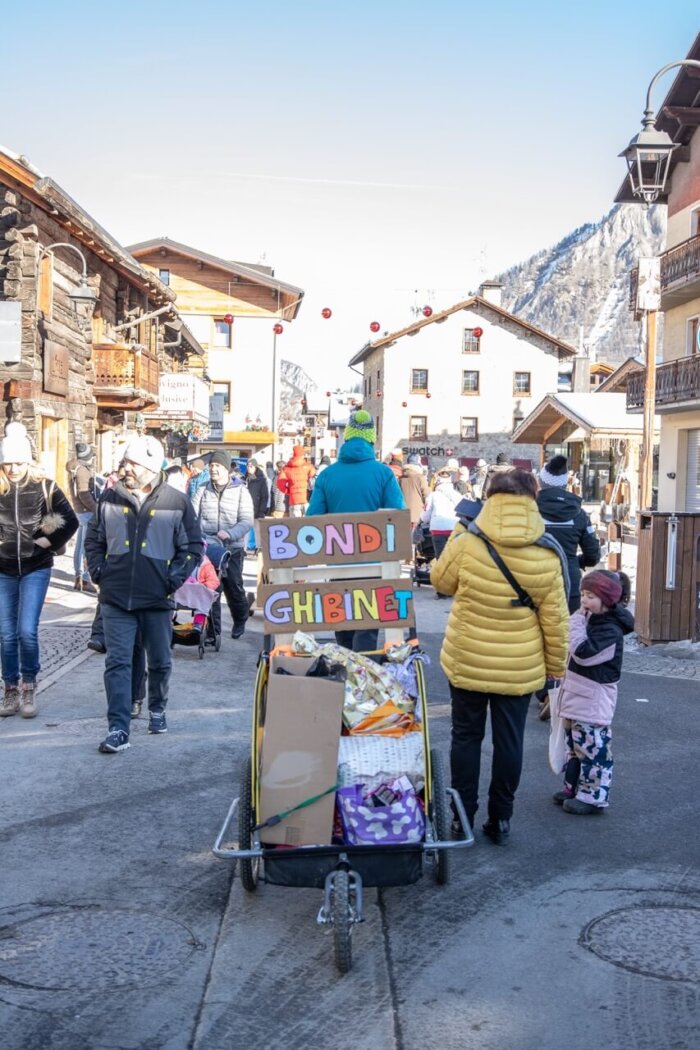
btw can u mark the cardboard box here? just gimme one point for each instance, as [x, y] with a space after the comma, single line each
[299, 753]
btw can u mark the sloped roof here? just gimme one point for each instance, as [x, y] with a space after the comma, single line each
[678, 116]
[480, 306]
[593, 412]
[262, 276]
[617, 380]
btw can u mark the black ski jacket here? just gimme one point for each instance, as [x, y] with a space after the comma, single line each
[568, 523]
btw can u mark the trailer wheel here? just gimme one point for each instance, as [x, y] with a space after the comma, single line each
[342, 925]
[250, 867]
[441, 817]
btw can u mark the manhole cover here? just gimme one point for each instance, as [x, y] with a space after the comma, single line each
[79, 948]
[654, 940]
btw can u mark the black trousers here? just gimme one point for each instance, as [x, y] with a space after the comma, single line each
[508, 715]
[234, 591]
[138, 664]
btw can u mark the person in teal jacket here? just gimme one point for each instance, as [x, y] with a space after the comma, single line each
[357, 482]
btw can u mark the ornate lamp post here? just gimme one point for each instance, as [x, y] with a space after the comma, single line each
[83, 298]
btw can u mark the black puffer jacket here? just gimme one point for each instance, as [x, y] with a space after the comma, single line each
[259, 493]
[25, 515]
[568, 523]
[140, 553]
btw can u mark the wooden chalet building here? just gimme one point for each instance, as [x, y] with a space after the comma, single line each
[76, 371]
[233, 309]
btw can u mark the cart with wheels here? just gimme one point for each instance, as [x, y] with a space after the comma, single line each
[341, 870]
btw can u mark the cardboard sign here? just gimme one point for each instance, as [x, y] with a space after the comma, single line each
[334, 539]
[345, 605]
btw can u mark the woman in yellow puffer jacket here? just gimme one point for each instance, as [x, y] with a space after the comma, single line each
[497, 651]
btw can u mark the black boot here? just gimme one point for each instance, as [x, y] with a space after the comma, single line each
[497, 830]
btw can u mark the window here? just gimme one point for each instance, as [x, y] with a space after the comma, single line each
[164, 276]
[694, 335]
[418, 427]
[469, 428]
[521, 382]
[225, 389]
[471, 344]
[518, 417]
[470, 382]
[222, 334]
[419, 380]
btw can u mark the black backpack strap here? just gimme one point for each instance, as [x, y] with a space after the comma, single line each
[523, 597]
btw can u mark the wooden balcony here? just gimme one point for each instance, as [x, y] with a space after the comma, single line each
[680, 275]
[125, 378]
[677, 386]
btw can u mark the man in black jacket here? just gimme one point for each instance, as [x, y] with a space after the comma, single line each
[142, 544]
[568, 523]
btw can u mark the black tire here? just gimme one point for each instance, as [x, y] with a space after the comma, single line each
[249, 868]
[441, 817]
[201, 651]
[342, 927]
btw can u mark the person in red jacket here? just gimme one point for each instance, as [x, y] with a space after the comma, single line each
[293, 480]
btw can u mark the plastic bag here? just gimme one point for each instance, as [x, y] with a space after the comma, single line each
[365, 823]
[557, 736]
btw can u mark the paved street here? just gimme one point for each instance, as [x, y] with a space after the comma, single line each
[119, 929]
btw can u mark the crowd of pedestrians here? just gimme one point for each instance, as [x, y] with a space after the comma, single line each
[509, 547]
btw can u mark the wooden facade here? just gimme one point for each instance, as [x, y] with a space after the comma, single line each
[75, 381]
[664, 614]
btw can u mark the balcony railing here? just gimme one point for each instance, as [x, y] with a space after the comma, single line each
[125, 378]
[679, 266]
[677, 383]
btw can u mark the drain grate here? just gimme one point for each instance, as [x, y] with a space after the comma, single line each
[84, 947]
[656, 940]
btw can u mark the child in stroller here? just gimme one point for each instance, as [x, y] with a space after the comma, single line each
[424, 554]
[198, 594]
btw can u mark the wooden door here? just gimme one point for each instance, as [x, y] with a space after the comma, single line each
[53, 453]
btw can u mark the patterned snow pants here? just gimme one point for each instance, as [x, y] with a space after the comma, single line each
[589, 765]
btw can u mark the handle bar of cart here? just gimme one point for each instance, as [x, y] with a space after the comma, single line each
[429, 846]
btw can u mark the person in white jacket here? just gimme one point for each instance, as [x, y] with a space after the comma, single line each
[439, 513]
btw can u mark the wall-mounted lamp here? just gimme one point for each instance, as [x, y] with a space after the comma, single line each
[671, 475]
[83, 298]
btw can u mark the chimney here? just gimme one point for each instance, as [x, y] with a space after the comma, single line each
[491, 291]
[581, 376]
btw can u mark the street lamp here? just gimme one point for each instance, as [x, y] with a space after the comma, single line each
[648, 154]
[83, 298]
[648, 158]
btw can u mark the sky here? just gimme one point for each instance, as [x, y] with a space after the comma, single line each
[380, 155]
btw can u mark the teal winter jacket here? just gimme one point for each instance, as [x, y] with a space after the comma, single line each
[357, 482]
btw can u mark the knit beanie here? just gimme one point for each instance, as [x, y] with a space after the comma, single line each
[605, 585]
[452, 465]
[145, 451]
[15, 447]
[361, 425]
[220, 457]
[83, 451]
[555, 474]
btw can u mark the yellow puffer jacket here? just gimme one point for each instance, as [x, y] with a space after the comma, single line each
[490, 645]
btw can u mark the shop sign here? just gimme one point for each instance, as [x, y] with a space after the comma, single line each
[56, 367]
[425, 450]
[182, 396]
[216, 417]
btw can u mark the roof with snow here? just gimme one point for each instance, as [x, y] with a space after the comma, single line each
[557, 416]
[479, 306]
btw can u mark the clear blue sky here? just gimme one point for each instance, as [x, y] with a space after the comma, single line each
[365, 150]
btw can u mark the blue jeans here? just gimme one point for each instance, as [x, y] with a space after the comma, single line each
[121, 630]
[80, 569]
[21, 601]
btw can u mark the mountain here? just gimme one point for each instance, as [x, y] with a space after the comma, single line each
[579, 289]
[295, 385]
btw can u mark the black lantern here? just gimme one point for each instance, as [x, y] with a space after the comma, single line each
[648, 158]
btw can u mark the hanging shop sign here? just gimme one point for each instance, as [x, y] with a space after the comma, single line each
[336, 539]
[56, 367]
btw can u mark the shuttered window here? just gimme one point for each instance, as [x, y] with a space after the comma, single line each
[692, 484]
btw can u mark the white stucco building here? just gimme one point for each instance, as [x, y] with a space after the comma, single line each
[457, 383]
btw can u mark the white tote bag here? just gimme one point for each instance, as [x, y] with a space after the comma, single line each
[557, 737]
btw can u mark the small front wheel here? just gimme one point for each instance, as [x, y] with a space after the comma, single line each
[342, 921]
[249, 866]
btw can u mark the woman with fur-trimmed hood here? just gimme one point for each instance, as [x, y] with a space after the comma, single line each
[36, 520]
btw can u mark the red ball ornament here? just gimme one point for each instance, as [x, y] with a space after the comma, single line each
[328, 393]
[404, 404]
[478, 332]
[228, 318]
[325, 312]
[277, 328]
[375, 326]
[379, 393]
[427, 311]
[428, 394]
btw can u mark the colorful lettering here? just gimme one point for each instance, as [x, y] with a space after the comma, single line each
[402, 600]
[333, 608]
[310, 539]
[303, 606]
[343, 542]
[390, 537]
[370, 603]
[386, 603]
[370, 539]
[279, 550]
[276, 613]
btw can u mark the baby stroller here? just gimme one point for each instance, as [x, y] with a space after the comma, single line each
[198, 629]
[425, 552]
